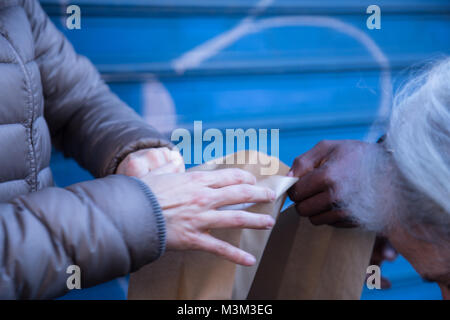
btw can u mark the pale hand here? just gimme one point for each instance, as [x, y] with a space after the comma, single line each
[190, 203]
[141, 162]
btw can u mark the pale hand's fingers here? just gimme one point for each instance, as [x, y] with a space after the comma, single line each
[206, 242]
[175, 164]
[164, 161]
[175, 157]
[134, 166]
[139, 163]
[242, 193]
[216, 219]
[159, 157]
[156, 157]
[223, 177]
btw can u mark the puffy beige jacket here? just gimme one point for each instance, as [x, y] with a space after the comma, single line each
[109, 226]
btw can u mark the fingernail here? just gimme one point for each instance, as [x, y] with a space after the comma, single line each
[290, 173]
[250, 260]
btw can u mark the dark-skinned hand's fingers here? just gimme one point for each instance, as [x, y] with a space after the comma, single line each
[330, 217]
[224, 177]
[382, 250]
[215, 219]
[309, 185]
[311, 159]
[345, 224]
[223, 249]
[319, 203]
[243, 193]
[385, 283]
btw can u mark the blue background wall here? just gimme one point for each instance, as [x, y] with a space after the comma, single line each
[312, 82]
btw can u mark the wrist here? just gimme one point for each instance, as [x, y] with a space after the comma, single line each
[158, 213]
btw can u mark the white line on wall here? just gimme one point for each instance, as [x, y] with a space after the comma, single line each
[194, 57]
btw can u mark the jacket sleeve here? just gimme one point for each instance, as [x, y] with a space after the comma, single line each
[86, 120]
[43, 233]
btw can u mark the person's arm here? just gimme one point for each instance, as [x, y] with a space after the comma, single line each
[114, 225]
[45, 232]
[86, 120]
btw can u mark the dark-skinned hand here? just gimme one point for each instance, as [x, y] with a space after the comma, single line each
[324, 169]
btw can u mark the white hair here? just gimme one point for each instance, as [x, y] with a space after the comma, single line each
[414, 169]
[419, 133]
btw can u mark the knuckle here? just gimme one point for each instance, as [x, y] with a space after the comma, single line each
[152, 154]
[340, 145]
[327, 177]
[201, 199]
[323, 144]
[193, 241]
[221, 248]
[238, 220]
[299, 161]
[237, 175]
[302, 163]
[132, 164]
